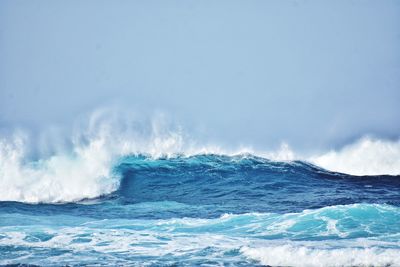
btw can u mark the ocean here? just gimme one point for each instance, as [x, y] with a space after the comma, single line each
[199, 209]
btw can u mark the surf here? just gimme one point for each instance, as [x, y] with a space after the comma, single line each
[156, 196]
[93, 169]
[361, 234]
[90, 167]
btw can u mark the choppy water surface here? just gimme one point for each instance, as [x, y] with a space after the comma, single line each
[213, 210]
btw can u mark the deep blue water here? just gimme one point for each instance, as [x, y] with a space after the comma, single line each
[213, 210]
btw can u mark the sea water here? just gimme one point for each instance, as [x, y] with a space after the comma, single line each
[208, 209]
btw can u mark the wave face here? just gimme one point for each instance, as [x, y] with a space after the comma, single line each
[233, 183]
[203, 209]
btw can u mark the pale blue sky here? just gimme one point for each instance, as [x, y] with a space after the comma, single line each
[312, 73]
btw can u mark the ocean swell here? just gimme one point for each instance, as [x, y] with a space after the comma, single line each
[88, 169]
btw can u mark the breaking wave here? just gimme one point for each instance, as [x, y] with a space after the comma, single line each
[88, 169]
[366, 156]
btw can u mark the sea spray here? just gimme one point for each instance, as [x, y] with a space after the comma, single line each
[89, 168]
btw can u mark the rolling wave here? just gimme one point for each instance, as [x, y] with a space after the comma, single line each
[154, 198]
[91, 168]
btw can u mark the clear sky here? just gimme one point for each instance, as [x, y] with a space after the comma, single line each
[312, 73]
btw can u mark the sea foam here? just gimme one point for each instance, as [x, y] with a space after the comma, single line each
[367, 156]
[120, 241]
[85, 173]
[297, 255]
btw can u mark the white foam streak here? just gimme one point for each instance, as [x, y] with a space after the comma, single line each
[292, 255]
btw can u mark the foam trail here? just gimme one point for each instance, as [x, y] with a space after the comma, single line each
[200, 239]
[367, 156]
[292, 255]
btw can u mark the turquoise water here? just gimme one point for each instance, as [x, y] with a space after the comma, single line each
[213, 210]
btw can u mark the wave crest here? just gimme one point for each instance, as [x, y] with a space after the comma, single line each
[86, 170]
[84, 173]
[367, 156]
